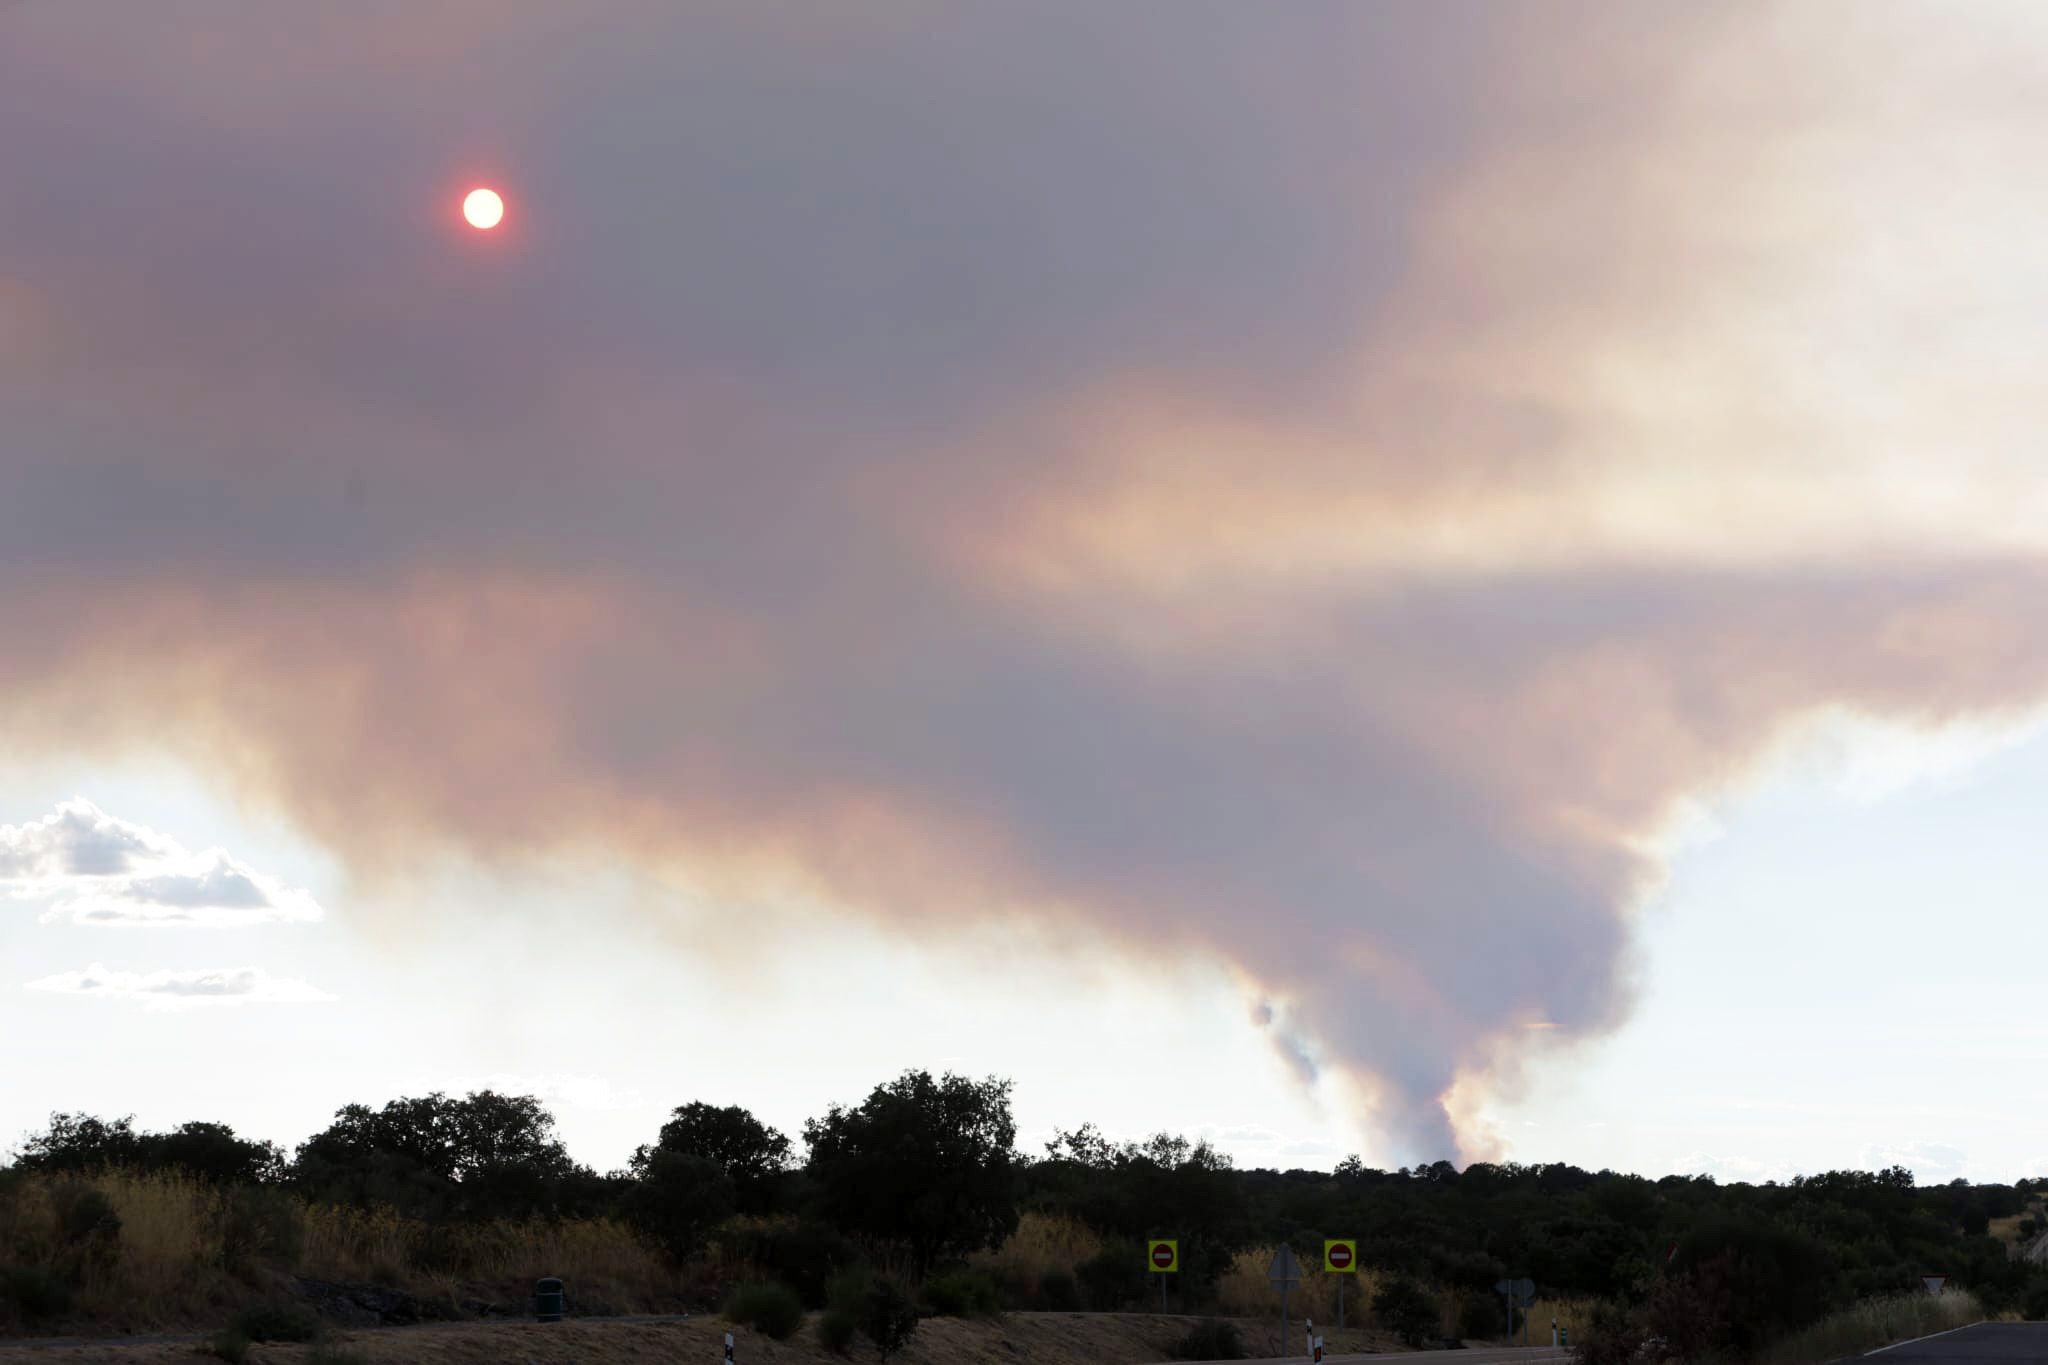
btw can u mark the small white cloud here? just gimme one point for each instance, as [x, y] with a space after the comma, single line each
[1932, 1163]
[1738, 1169]
[1243, 1133]
[572, 1092]
[184, 990]
[77, 839]
[95, 869]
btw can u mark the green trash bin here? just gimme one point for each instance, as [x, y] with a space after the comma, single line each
[548, 1300]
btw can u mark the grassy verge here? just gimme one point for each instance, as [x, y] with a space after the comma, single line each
[117, 1250]
[1872, 1323]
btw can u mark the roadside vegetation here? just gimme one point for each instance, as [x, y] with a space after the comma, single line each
[914, 1203]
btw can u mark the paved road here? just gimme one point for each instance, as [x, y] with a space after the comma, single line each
[1987, 1341]
[1479, 1355]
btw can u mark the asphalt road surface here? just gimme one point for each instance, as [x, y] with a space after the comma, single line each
[1479, 1355]
[1985, 1341]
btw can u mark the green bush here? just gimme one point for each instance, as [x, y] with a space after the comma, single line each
[277, 1322]
[836, 1329]
[88, 1229]
[229, 1345]
[1113, 1277]
[847, 1289]
[1404, 1308]
[961, 1294]
[34, 1295]
[888, 1315]
[800, 1253]
[1058, 1291]
[1210, 1339]
[257, 1227]
[1481, 1317]
[770, 1309]
[84, 1215]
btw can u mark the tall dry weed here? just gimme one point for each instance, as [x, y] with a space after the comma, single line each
[1043, 1243]
[183, 1249]
[1244, 1291]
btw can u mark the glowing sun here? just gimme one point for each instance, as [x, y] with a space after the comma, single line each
[483, 208]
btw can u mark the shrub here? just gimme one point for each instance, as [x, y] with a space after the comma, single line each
[277, 1322]
[800, 1253]
[1210, 1339]
[229, 1345]
[1614, 1337]
[33, 1294]
[88, 1228]
[888, 1315]
[1113, 1277]
[1751, 1280]
[961, 1294]
[848, 1289]
[1481, 1317]
[258, 1226]
[770, 1309]
[1058, 1291]
[836, 1329]
[1405, 1309]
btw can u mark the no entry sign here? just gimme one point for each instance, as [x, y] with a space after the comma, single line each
[1341, 1256]
[1164, 1255]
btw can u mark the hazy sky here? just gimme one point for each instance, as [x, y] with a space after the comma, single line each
[1428, 579]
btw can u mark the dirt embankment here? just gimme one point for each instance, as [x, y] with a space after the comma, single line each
[1015, 1339]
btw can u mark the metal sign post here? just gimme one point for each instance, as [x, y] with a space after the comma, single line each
[1340, 1255]
[1284, 1275]
[1519, 1293]
[1162, 1258]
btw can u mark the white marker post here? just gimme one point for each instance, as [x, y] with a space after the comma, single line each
[728, 1349]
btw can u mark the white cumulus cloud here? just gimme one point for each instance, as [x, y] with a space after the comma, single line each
[94, 868]
[167, 990]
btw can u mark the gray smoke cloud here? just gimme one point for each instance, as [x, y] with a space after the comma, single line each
[1314, 487]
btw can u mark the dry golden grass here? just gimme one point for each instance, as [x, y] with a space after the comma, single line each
[1575, 1315]
[1041, 1243]
[1245, 1291]
[172, 1261]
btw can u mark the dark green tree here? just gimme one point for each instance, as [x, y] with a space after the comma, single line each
[924, 1166]
[484, 1155]
[753, 1156]
[207, 1151]
[677, 1198]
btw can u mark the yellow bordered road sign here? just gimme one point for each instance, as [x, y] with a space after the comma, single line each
[1163, 1255]
[1341, 1255]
